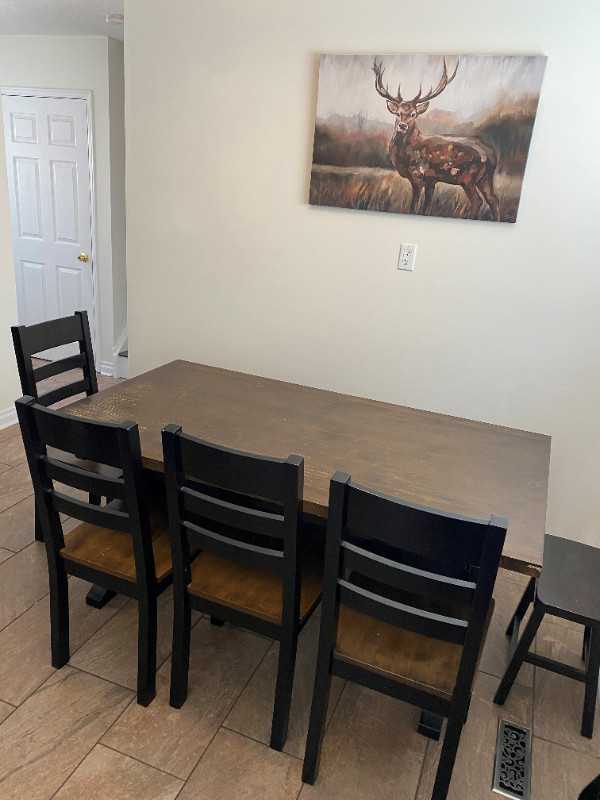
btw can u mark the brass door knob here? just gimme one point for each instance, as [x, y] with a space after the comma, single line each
[83, 257]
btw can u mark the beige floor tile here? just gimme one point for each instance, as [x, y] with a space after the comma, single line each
[17, 525]
[25, 644]
[23, 581]
[5, 710]
[111, 653]
[5, 554]
[106, 775]
[495, 651]
[558, 701]
[8, 433]
[12, 451]
[474, 768]
[559, 773]
[3, 467]
[252, 714]
[236, 767]
[221, 662]
[371, 749]
[15, 485]
[43, 741]
[513, 577]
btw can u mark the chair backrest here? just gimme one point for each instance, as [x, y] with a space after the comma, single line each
[237, 505]
[31, 339]
[104, 443]
[448, 562]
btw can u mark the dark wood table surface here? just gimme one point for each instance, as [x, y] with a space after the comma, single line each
[450, 463]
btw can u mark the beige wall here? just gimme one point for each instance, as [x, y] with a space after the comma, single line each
[227, 263]
[83, 63]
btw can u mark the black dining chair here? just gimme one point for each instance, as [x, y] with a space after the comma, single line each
[242, 511]
[121, 545]
[568, 587]
[407, 598]
[28, 340]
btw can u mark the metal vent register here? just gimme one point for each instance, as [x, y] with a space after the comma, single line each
[512, 767]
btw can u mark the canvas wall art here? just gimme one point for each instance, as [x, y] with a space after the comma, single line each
[444, 136]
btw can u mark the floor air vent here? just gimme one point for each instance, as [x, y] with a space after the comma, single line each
[512, 768]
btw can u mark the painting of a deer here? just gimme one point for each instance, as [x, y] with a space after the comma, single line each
[468, 162]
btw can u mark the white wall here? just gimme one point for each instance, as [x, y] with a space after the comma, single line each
[9, 381]
[117, 184]
[80, 62]
[227, 263]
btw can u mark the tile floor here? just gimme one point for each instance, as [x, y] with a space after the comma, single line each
[78, 734]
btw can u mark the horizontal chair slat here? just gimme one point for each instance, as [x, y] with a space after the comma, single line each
[406, 526]
[405, 577]
[233, 469]
[56, 367]
[232, 515]
[68, 390]
[85, 480]
[426, 623]
[73, 435]
[250, 554]
[52, 333]
[102, 516]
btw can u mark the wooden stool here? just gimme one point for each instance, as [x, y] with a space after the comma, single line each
[568, 587]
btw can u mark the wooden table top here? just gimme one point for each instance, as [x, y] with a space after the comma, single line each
[454, 464]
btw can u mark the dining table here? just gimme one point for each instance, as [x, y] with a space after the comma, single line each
[457, 465]
[449, 463]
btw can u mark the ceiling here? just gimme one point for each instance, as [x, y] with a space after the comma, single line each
[60, 17]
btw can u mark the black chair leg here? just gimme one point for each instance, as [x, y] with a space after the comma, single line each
[591, 684]
[517, 658]
[146, 679]
[59, 613]
[521, 610]
[447, 758]
[316, 725]
[39, 535]
[283, 690]
[180, 659]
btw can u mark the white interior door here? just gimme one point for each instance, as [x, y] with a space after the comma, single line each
[49, 181]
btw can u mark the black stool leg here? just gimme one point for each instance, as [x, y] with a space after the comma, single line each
[586, 642]
[524, 602]
[591, 684]
[517, 658]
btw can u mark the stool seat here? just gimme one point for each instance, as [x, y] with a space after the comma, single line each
[570, 579]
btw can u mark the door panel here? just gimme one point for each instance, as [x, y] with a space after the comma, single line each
[49, 186]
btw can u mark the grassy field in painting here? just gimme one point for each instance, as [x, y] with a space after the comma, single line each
[377, 189]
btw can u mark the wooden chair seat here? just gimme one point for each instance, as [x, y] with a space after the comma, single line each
[404, 656]
[251, 590]
[112, 551]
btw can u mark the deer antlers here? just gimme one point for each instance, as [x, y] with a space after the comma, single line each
[444, 81]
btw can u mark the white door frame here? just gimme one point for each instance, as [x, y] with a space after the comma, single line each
[76, 94]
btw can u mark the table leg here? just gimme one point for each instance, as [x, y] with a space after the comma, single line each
[430, 724]
[98, 596]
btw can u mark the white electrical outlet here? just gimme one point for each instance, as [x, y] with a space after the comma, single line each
[408, 253]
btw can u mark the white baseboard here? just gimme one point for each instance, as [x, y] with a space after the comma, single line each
[8, 417]
[107, 368]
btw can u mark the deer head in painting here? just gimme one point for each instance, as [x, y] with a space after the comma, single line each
[427, 160]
